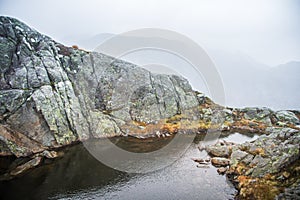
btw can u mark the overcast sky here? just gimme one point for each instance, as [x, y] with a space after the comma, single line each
[267, 31]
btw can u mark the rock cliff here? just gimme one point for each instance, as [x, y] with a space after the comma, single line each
[52, 95]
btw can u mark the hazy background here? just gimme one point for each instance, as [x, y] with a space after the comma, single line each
[255, 44]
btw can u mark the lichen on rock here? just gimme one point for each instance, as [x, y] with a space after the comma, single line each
[262, 167]
[55, 95]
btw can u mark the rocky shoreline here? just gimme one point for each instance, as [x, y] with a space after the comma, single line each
[52, 96]
[266, 168]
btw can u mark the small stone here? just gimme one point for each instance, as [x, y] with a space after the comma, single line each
[202, 166]
[198, 160]
[286, 174]
[248, 172]
[201, 161]
[217, 161]
[222, 170]
[157, 133]
[218, 150]
[50, 154]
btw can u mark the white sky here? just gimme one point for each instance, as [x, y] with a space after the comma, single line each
[266, 30]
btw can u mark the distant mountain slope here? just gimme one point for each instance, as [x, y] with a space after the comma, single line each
[248, 82]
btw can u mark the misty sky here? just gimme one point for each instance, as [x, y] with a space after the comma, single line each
[267, 31]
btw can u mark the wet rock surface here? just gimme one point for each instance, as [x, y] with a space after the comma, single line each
[28, 165]
[217, 161]
[21, 165]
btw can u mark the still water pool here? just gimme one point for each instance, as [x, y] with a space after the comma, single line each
[78, 175]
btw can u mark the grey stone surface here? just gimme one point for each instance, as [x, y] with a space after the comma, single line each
[218, 161]
[270, 153]
[291, 193]
[56, 95]
[286, 117]
[218, 150]
[258, 114]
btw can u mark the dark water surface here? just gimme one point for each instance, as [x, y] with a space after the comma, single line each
[78, 175]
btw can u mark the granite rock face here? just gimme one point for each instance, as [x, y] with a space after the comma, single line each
[52, 95]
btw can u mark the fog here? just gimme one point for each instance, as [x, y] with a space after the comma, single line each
[254, 44]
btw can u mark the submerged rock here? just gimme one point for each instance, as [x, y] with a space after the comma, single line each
[201, 161]
[28, 165]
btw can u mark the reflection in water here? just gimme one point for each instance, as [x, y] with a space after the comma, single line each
[237, 137]
[77, 170]
[78, 175]
[154, 153]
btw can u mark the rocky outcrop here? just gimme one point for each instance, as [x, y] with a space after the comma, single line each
[290, 193]
[257, 120]
[52, 95]
[264, 167]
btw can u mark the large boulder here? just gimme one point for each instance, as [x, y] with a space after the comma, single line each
[258, 114]
[284, 117]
